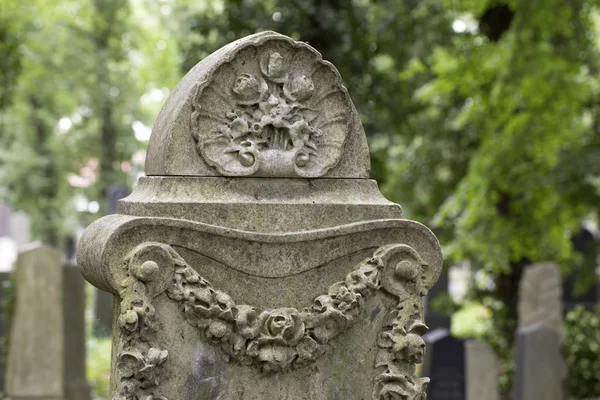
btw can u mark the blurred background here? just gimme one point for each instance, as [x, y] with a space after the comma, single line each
[483, 118]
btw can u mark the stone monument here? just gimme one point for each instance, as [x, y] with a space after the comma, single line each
[46, 357]
[539, 368]
[257, 260]
[540, 297]
[459, 369]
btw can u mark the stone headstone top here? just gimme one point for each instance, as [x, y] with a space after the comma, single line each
[264, 105]
[540, 297]
[238, 272]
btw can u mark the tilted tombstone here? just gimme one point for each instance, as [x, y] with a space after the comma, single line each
[257, 260]
[46, 357]
[540, 297]
[539, 369]
[459, 369]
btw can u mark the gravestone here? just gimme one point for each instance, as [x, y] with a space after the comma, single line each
[47, 352]
[459, 369]
[256, 260]
[540, 297]
[539, 369]
[482, 372]
[103, 301]
[445, 366]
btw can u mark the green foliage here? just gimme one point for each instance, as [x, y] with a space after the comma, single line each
[581, 349]
[98, 366]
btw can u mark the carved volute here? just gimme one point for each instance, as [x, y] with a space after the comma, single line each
[256, 260]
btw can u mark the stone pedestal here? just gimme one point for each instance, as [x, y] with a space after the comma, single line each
[257, 260]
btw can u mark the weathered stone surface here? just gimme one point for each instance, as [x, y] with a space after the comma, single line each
[47, 343]
[240, 272]
[540, 369]
[292, 88]
[482, 372]
[540, 297]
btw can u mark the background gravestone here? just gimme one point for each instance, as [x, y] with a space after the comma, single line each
[540, 297]
[459, 369]
[539, 369]
[482, 372]
[47, 349]
[445, 366]
[257, 260]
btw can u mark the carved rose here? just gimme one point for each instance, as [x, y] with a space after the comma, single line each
[273, 357]
[413, 348]
[299, 88]
[284, 326]
[247, 89]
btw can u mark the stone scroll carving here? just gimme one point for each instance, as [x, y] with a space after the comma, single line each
[275, 340]
[286, 115]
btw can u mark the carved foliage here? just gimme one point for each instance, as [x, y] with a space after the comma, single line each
[275, 340]
[279, 339]
[400, 342]
[139, 364]
[282, 113]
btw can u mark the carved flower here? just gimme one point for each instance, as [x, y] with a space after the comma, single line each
[283, 325]
[130, 363]
[219, 331]
[413, 348]
[247, 89]
[246, 322]
[129, 320]
[299, 88]
[273, 357]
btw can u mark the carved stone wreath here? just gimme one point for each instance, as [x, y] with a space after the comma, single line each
[276, 340]
[274, 120]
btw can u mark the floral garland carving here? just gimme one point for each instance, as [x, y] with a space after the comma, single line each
[276, 340]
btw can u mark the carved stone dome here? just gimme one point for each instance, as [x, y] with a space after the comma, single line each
[263, 106]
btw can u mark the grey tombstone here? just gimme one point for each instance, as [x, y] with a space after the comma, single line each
[540, 297]
[539, 369]
[459, 369]
[482, 372]
[445, 365]
[257, 260]
[46, 353]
